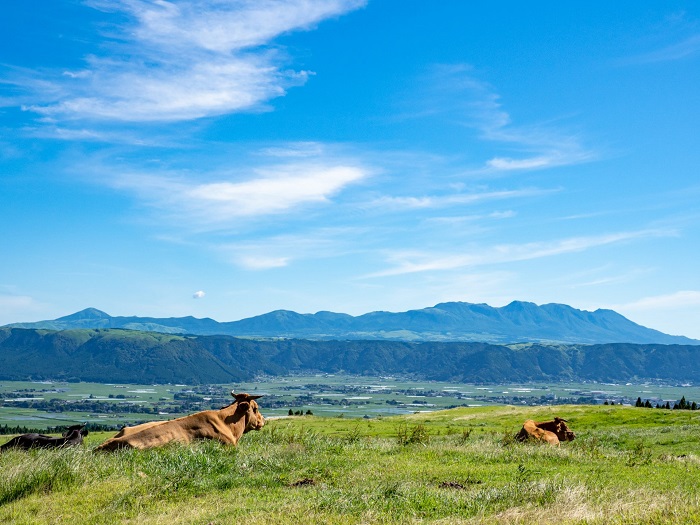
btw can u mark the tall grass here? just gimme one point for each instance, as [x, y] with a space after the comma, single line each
[408, 471]
[38, 472]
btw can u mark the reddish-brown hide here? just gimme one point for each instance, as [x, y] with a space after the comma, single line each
[226, 425]
[551, 432]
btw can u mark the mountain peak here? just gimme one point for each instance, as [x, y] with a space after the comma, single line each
[519, 321]
[520, 305]
[88, 313]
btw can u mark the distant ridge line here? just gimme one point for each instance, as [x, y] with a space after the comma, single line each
[518, 321]
[130, 356]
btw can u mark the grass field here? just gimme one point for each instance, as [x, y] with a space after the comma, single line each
[627, 466]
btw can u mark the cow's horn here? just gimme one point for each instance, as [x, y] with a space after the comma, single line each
[233, 393]
[255, 397]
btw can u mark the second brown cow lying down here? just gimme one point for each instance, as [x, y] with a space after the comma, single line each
[551, 432]
[226, 425]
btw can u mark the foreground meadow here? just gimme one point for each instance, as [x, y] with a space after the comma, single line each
[627, 465]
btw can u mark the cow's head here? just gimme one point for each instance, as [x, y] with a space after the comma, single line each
[563, 432]
[247, 406]
[80, 428]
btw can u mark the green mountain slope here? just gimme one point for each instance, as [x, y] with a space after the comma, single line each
[146, 357]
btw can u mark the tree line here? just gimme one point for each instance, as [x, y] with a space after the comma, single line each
[680, 405]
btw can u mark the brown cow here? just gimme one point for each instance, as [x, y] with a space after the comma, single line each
[226, 425]
[551, 432]
[126, 431]
[73, 436]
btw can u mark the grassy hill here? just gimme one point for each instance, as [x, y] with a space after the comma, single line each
[627, 466]
[113, 355]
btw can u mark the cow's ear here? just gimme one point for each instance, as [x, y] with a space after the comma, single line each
[252, 398]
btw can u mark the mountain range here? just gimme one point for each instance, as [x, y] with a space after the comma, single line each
[453, 321]
[130, 356]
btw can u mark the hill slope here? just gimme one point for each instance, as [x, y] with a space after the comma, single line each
[146, 357]
[626, 466]
[516, 322]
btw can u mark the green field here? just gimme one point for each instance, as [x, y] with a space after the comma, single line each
[323, 394]
[627, 466]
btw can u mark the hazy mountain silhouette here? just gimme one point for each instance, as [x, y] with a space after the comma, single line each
[454, 321]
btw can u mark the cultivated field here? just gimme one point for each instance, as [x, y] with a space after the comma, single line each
[324, 395]
[627, 465]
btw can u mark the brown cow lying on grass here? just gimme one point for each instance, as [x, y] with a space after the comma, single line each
[551, 432]
[226, 425]
[73, 436]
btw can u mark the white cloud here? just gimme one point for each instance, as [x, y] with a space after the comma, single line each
[677, 300]
[83, 134]
[675, 313]
[270, 190]
[221, 26]
[295, 150]
[16, 301]
[507, 164]
[457, 93]
[121, 92]
[18, 308]
[441, 201]
[261, 262]
[198, 295]
[184, 60]
[678, 51]
[414, 262]
[279, 251]
[463, 219]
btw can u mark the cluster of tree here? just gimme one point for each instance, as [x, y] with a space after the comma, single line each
[96, 407]
[300, 413]
[680, 405]
[20, 429]
[272, 402]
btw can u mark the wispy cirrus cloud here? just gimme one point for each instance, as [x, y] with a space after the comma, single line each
[676, 300]
[441, 201]
[209, 201]
[111, 136]
[457, 92]
[686, 48]
[417, 261]
[674, 313]
[462, 219]
[181, 60]
[628, 275]
[16, 308]
[279, 251]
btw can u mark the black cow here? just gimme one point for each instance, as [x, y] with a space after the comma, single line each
[73, 436]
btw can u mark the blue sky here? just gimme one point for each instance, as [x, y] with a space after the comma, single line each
[228, 158]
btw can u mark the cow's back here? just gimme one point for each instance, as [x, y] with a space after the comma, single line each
[151, 436]
[202, 425]
[226, 425]
[127, 431]
[531, 430]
